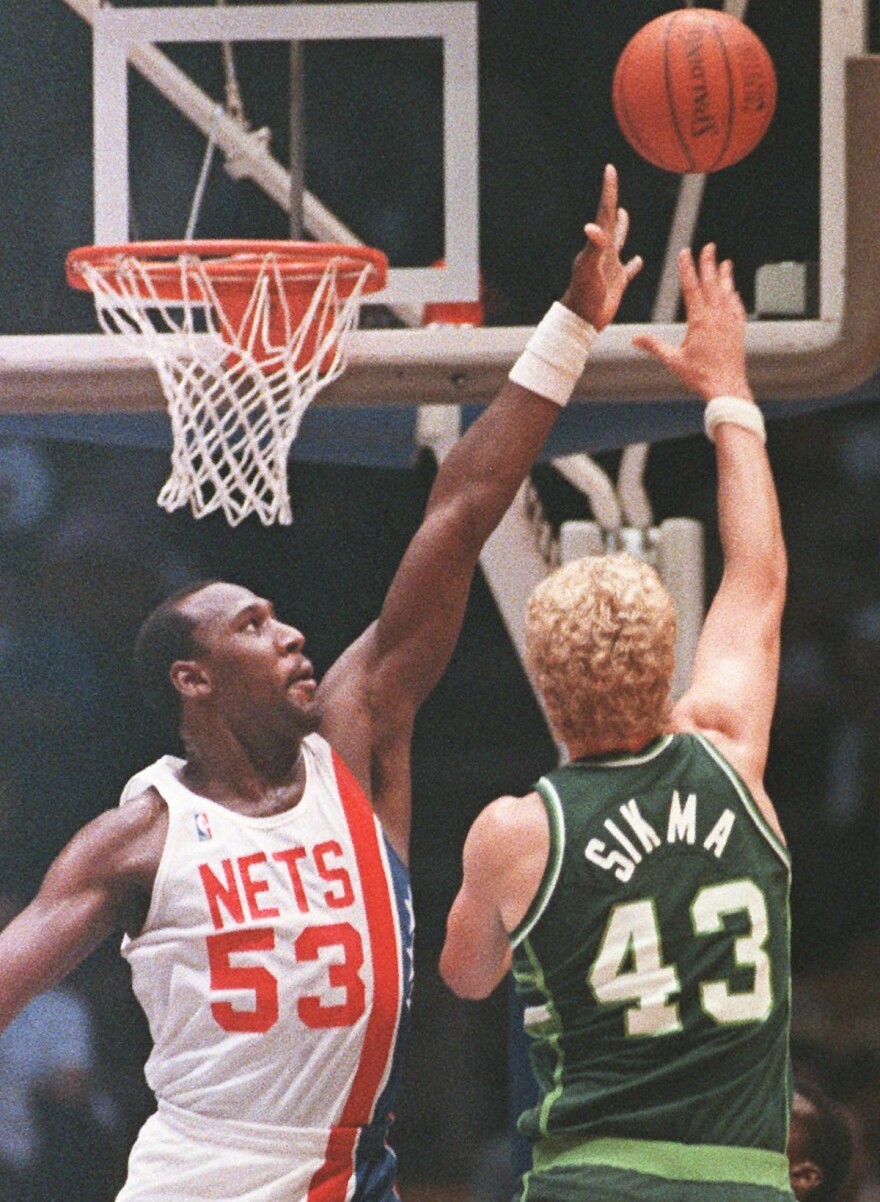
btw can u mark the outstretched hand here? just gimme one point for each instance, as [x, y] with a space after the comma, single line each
[711, 361]
[599, 278]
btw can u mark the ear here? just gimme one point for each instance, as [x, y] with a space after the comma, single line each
[190, 678]
[805, 1176]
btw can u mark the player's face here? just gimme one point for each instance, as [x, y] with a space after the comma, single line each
[803, 1172]
[255, 663]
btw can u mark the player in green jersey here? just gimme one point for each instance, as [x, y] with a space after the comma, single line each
[640, 892]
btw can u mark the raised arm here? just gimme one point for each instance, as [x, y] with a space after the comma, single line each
[402, 656]
[733, 691]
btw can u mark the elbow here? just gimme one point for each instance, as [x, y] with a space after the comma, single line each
[468, 989]
[762, 575]
[465, 980]
[452, 976]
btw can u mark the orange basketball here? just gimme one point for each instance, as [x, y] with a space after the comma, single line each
[694, 90]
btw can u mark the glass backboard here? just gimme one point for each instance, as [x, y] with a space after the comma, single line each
[437, 131]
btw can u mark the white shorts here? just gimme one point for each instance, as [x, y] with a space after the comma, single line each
[191, 1158]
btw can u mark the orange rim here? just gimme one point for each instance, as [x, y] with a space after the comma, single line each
[229, 261]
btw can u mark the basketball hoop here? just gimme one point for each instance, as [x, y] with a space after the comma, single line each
[243, 335]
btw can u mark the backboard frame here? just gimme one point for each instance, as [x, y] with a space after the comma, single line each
[787, 359]
[118, 34]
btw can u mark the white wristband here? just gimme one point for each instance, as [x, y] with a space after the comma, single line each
[737, 410]
[555, 355]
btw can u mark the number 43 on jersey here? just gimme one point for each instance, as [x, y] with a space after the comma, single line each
[630, 967]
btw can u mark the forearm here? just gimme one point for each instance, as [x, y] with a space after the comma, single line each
[481, 474]
[49, 938]
[28, 965]
[749, 522]
[487, 466]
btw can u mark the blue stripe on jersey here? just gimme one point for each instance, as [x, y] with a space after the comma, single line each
[372, 1181]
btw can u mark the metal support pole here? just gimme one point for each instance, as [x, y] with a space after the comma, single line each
[297, 141]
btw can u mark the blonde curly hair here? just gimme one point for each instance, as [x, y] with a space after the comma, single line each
[600, 649]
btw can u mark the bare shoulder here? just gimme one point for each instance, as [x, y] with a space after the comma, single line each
[508, 848]
[101, 881]
[139, 818]
[509, 817]
[508, 841]
[123, 845]
[714, 720]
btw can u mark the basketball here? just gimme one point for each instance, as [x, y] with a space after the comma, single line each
[694, 91]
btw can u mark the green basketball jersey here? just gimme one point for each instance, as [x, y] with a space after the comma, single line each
[653, 965]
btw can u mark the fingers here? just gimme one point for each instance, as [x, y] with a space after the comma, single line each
[633, 267]
[708, 263]
[706, 280]
[655, 347]
[611, 224]
[711, 276]
[687, 274]
[728, 288]
[597, 235]
[622, 228]
[606, 214]
[715, 277]
[725, 276]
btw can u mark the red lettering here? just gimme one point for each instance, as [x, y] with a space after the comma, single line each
[341, 974]
[250, 978]
[289, 858]
[216, 892]
[253, 887]
[336, 900]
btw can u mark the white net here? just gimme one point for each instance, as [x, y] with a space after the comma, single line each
[237, 368]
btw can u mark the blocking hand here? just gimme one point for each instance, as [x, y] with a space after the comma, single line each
[599, 278]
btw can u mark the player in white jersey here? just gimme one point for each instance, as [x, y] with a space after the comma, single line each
[261, 883]
[264, 929]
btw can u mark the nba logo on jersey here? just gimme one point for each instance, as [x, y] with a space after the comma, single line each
[203, 826]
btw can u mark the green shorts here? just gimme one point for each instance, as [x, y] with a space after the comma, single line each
[620, 1170]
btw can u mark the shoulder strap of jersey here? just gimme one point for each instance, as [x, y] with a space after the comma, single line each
[162, 776]
[556, 817]
[749, 804]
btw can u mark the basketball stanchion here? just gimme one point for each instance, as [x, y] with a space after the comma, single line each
[243, 335]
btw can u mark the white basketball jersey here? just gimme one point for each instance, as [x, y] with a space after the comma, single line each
[275, 965]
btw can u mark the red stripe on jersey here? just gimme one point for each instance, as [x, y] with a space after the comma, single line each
[330, 1182]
